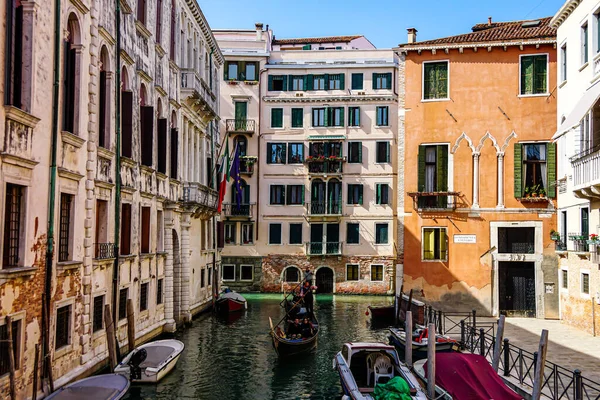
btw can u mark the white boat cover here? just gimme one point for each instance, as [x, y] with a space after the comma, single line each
[233, 296]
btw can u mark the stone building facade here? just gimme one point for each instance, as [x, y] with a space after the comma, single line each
[167, 62]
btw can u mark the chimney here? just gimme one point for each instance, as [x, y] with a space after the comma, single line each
[259, 27]
[412, 35]
[489, 21]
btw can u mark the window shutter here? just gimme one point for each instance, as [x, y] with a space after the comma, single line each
[126, 123]
[285, 81]
[174, 152]
[551, 167]
[378, 193]
[518, 178]
[360, 152]
[527, 75]
[386, 194]
[226, 71]
[342, 81]
[387, 152]
[374, 80]
[384, 233]
[421, 169]
[327, 111]
[288, 190]
[326, 81]
[442, 174]
[348, 196]
[269, 152]
[389, 80]
[309, 83]
[360, 194]
[270, 86]
[147, 134]
[290, 79]
[302, 194]
[284, 197]
[539, 70]
[342, 115]
[283, 152]
[162, 145]
[241, 72]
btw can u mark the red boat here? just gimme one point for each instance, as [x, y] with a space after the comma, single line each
[231, 301]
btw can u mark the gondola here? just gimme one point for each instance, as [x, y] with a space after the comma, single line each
[286, 346]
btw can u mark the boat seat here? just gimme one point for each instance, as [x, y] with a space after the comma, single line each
[156, 355]
[383, 368]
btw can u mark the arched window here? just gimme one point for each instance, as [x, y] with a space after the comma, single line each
[174, 146]
[291, 274]
[146, 127]
[126, 115]
[71, 76]
[161, 131]
[104, 102]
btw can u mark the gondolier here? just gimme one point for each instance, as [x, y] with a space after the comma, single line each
[307, 295]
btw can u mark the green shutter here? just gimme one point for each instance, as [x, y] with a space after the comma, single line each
[309, 84]
[326, 116]
[527, 75]
[378, 193]
[539, 70]
[284, 152]
[285, 86]
[518, 178]
[290, 79]
[303, 189]
[270, 87]
[226, 71]
[306, 47]
[389, 80]
[360, 194]
[384, 234]
[387, 152]
[374, 80]
[326, 81]
[349, 195]
[357, 81]
[341, 116]
[442, 174]
[360, 152]
[269, 153]
[342, 81]
[427, 82]
[551, 167]
[421, 169]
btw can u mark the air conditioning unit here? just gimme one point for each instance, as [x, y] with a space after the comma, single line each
[299, 94]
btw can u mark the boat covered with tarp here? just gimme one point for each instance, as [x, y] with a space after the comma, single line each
[99, 387]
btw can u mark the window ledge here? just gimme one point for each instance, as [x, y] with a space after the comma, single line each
[127, 257]
[68, 265]
[162, 254]
[105, 153]
[21, 116]
[433, 100]
[142, 30]
[17, 272]
[534, 199]
[533, 95]
[101, 262]
[162, 176]
[563, 83]
[146, 168]
[432, 261]
[126, 161]
[145, 256]
[63, 351]
[160, 51]
[584, 66]
[72, 139]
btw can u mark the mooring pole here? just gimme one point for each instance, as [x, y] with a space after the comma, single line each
[130, 325]
[408, 328]
[11, 358]
[538, 380]
[110, 337]
[36, 361]
[430, 361]
[498, 344]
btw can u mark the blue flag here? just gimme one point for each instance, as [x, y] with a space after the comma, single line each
[234, 173]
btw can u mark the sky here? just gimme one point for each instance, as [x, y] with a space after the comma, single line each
[383, 22]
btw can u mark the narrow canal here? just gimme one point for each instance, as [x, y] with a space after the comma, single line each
[234, 359]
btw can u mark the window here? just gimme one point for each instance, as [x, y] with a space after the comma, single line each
[63, 327]
[584, 43]
[274, 233]
[70, 108]
[585, 282]
[325, 149]
[247, 234]
[125, 229]
[335, 116]
[563, 57]
[352, 272]
[295, 194]
[382, 116]
[353, 116]
[435, 80]
[98, 313]
[352, 233]
[435, 244]
[296, 153]
[123, 296]
[381, 193]
[277, 83]
[318, 117]
[276, 153]
[145, 233]
[319, 82]
[146, 131]
[250, 72]
[172, 48]
[433, 175]
[516, 240]
[16, 339]
[159, 291]
[240, 71]
[144, 296]
[292, 274]
[355, 194]
[160, 243]
[209, 281]
[141, 11]
[565, 279]
[127, 123]
[336, 82]
[202, 277]
[229, 272]
[65, 233]
[357, 81]
[14, 54]
[535, 167]
[277, 195]
[276, 117]
[534, 79]
[297, 82]
[295, 233]
[381, 233]
[13, 225]
[355, 152]
[104, 89]
[376, 273]
[232, 70]
[382, 81]
[230, 233]
[383, 152]
[297, 117]
[158, 20]
[246, 272]
[161, 133]
[306, 47]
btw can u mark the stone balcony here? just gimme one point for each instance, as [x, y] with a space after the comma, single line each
[236, 126]
[199, 94]
[201, 200]
[244, 211]
[586, 173]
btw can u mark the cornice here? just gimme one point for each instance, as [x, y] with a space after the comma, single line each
[84, 9]
[127, 58]
[105, 34]
[199, 16]
[332, 99]
[478, 45]
[564, 12]
[65, 173]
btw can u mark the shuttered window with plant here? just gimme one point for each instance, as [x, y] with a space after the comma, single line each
[534, 74]
[435, 244]
[435, 80]
[240, 71]
[433, 176]
[535, 170]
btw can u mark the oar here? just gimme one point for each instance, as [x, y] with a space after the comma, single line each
[292, 291]
[287, 313]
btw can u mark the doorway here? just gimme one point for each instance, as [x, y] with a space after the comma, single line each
[324, 280]
[516, 289]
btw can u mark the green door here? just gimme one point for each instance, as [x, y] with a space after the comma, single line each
[241, 112]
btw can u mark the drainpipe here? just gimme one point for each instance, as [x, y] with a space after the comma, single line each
[51, 201]
[259, 146]
[115, 287]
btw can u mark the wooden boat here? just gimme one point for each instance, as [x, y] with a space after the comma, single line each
[151, 362]
[355, 363]
[99, 387]
[287, 346]
[444, 344]
[384, 315]
[230, 301]
[466, 376]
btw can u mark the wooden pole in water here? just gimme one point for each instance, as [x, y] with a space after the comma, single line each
[130, 325]
[36, 360]
[498, 344]
[431, 361]
[408, 339]
[11, 358]
[110, 337]
[538, 377]
[409, 304]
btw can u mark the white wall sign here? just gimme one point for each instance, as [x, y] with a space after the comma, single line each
[465, 238]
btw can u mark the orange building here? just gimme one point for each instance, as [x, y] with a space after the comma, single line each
[480, 169]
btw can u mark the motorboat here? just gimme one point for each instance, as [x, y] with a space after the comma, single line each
[420, 338]
[230, 301]
[288, 345]
[99, 387]
[365, 367]
[465, 376]
[151, 362]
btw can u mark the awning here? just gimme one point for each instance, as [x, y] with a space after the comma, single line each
[331, 137]
[583, 106]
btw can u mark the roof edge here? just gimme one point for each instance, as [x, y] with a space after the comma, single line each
[564, 12]
[518, 42]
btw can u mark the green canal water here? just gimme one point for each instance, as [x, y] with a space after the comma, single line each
[234, 359]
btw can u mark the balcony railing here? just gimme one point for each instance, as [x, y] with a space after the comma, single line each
[560, 244]
[580, 242]
[323, 248]
[586, 167]
[241, 210]
[325, 166]
[324, 208]
[439, 201]
[201, 195]
[193, 83]
[103, 251]
[240, 126]
[247, 165]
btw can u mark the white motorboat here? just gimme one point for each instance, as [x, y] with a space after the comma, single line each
[149, 363]
[362, 366]
[100, 387]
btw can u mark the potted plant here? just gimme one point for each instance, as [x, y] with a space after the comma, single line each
[554, 235]
[535, 191]
[542, 192]
[527, 192]
[593, 242]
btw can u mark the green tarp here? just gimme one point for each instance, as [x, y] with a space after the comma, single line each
[395, 389]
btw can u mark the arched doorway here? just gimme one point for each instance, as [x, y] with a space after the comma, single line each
[324, 280]
[176, 278]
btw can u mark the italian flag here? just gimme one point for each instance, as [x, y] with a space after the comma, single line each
[223, 185]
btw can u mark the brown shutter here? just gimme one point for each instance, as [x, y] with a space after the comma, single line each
[125, 229]
[162, 145]
[147, 133]
[174, 152]
[172, 47]
[102, 142]
[220, 235]
[126, 123]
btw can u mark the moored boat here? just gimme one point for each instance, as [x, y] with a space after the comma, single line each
[99, 387]
[151, 362]
[382, 314]
[230, 301]
[365, 367]
[466, 377]
[444, 344]
[287, 346]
